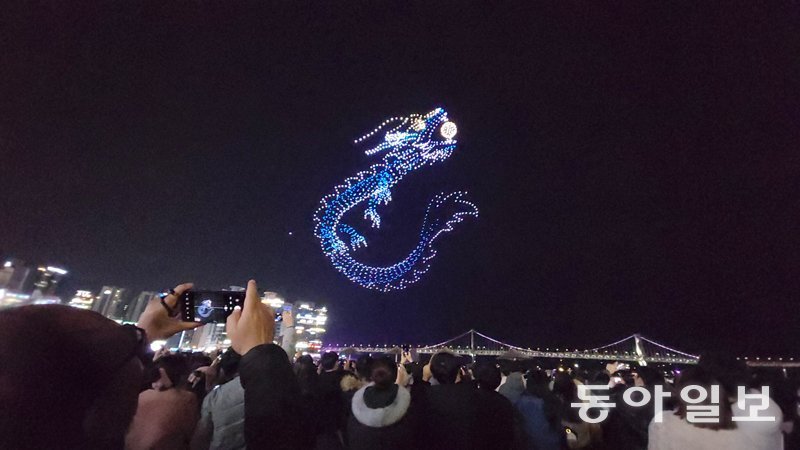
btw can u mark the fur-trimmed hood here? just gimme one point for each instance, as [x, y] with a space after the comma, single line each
[380, 417]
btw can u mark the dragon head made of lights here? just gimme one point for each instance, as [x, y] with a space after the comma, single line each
[407, 144]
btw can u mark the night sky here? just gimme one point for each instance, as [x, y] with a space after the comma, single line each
[636, 166]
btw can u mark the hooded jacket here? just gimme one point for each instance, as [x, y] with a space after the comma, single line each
[221, 424]
[386, 428]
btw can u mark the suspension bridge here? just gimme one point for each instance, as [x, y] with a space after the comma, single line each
[634, 348]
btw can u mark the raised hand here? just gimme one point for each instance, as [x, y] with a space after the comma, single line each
[156, 321]
[252, 325]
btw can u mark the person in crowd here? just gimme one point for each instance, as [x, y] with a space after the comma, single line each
[167, 414]
[202, 370]
[791, 418]
[76, 375]
[580, 434]
[783, 391]
[221, 423]
[507, 367]
[414, 369]
[626, 426]
[273, 414]
[602, 379]
[513, 387]
[357, 377]
[308, 381]
[451, 410]
[307, 376]
[537, 415]
[735, 376]
[675, 431]
[72, 379]
[332, 402]
[99, 366]
[203, 378]
[496, 413]
[380, 416]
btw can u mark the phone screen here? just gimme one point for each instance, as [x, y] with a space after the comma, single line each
[209, 306]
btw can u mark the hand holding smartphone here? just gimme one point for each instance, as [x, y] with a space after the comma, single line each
[212, 306]
[209, 306]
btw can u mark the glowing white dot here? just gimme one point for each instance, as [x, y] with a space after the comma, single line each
[448, 130]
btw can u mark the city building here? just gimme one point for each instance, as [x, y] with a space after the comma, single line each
[45, 280]
[15, 275]
[44, 299]
[23, 283]
[10, 297]
[82, 300]
[136, 308]
[109, 302]
[19, 276]
[277, 304]
[310, 322]
[206, 338]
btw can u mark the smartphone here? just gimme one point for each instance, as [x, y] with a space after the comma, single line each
[209, 306]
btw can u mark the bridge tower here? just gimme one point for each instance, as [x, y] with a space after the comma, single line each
[472, 343]
[641, 357]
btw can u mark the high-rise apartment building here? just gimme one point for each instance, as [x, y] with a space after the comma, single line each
[109, 301]
[82, 300]
[136, 307]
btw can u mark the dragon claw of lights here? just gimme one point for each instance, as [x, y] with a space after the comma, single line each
[408, 144]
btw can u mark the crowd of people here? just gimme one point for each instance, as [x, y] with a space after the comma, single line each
[73, 379]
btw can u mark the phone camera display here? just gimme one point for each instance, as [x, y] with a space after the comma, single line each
[204, 310]
[210, 306]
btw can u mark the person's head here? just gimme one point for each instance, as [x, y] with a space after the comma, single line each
[725, 368]
[383, 391]
[539, 386]
[306, 373]
[173, 371]
[415, 369]
[229, 364]
[196, 360]
[508, 366]
[514, 387]
[364, 367]
[445, 367]
[329, 360]
[383, 372]
[350, 382]
[538, 377]
[699, 377]
[71, 377]
[626, 376]
[564, 387]
[487, 375]
[647, 376]
[600, 378]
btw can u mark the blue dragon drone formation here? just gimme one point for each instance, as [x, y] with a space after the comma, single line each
[409, 143]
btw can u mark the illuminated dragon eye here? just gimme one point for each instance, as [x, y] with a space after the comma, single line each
[448, 130]
[418, 125]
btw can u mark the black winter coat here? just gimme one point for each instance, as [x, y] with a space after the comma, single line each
[273, 418]
[389, 428]
[459, 416]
